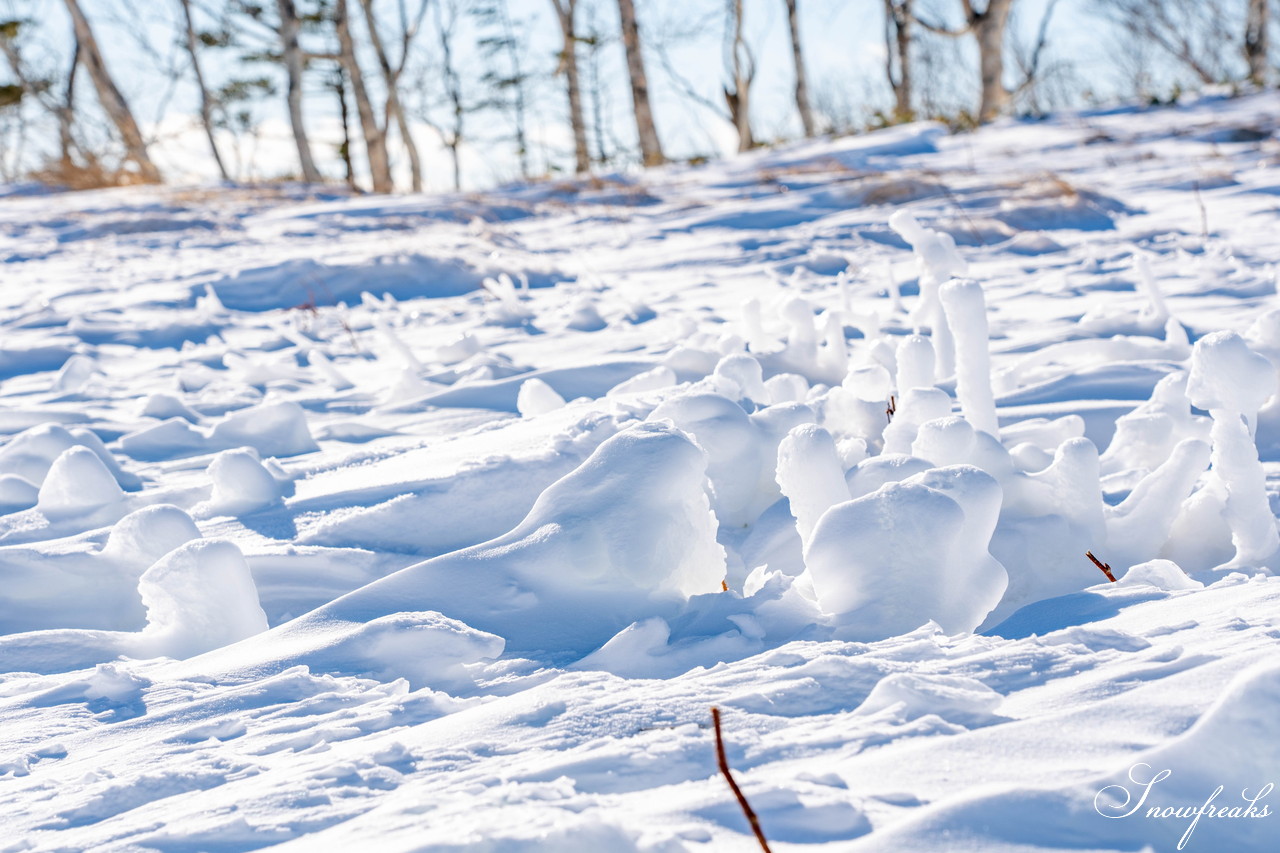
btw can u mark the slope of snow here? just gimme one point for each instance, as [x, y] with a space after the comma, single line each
[440, 523]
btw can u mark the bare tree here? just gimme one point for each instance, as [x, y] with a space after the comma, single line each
[1255, 41]
[595, 41]
[113, 103]
[375, 136]
[1196, 33]
[338, 82]
[742, 71]
[988, 28]
[66, 110]
[294, 61]
[452, 135]
[391, 74]
[650, 145]
[1036, 76]
[802, 83]
[502, 38]
[41, 88]
[206, 99]
[566, 10]
[897, 43]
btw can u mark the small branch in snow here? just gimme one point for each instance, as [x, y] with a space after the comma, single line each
[1204, 214]
[891, 409]
[1105, 568]
[737, 792]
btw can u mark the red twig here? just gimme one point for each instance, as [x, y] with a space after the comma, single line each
[1105, 568]
[891, 409]
[737, 792]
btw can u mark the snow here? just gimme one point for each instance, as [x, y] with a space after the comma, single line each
[241, 484]
[440, 523]
[537, 398]
[966, 311]
[199, 597]
[1233, 382]
[809, 474]
[910, 553]
[77, 484]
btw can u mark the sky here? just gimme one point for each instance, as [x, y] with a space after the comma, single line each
[843, 40]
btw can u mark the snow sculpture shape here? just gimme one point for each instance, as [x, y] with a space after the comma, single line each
[938, 261]
[1233, 382]
[77, 484]
[199, 597]
[966, 311]
[908, 553]
[809, 475]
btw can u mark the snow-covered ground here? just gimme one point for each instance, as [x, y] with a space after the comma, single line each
[440, 523]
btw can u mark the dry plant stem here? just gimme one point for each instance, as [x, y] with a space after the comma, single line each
[1204, 214]
[737, 792]
[1105, 568]
[891, 409]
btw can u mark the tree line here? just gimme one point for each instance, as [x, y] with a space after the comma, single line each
[366, 54]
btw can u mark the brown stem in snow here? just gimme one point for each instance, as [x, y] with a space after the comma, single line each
[737, 792]
[1105, 568]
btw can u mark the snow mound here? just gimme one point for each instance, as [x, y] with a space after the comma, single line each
[809, 475]
[241, 484]
[424, 648]
[1161, 574]
[147, 534]
[955, 698]
[742, 449]
[77, 484]
[537, 398]
[1232, 382]
[1227, 375]
[199, 597]
[165, 406]
[30, 454]
[908, 553]
[627, 535]
[273, 429]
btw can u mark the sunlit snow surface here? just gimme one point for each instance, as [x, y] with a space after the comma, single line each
[401, 523]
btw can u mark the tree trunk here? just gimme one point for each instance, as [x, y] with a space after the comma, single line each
[395, 109]
[453, 90]
[518, 82]
[289, 26]
[113, 103]
[344, 115]
[1255, 42]
[988, 30]
[797, 56]
[206, 102]
[742, 72]
[650, 146]
[898, 44]
[66, 111]
[565, 11]
[375, 138]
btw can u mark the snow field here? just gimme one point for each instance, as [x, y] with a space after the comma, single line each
[446, 535]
